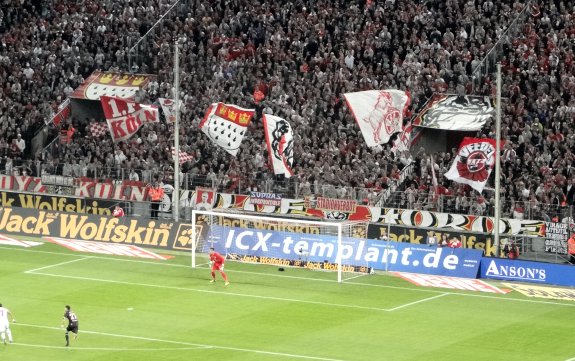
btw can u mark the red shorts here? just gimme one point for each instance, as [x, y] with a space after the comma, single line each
[217, 266]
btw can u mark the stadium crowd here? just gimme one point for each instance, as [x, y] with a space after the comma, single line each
[302, 56]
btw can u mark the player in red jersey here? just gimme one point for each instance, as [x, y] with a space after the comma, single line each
[217, 263]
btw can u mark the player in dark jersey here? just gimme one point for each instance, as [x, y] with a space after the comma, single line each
[73, 324]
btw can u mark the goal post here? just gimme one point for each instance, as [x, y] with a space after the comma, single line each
[310, 244]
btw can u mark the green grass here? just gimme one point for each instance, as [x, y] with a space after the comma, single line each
[163, 310]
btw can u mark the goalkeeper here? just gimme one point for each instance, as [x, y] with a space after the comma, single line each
[217, 263]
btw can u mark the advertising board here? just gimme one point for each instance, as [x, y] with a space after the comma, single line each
[376, 254]
[528, 271]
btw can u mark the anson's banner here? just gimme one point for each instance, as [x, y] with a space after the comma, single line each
[323, 249]
[528, 271]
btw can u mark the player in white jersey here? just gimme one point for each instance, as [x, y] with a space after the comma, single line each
[5, 324]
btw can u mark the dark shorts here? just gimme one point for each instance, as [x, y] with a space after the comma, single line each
[73, 327]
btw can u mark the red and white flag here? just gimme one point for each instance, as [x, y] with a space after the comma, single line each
[98, 129]
[226, 125]
[379, 113]
[169, 109]
[473, 163]
[126, 117]
[64, 111]
[280, 142]
[184, 157]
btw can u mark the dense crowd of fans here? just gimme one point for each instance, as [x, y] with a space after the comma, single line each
[302, 56]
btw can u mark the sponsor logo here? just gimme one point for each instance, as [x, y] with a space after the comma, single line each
[103, 248]
[457, 283]
[86, 227]
[184, 236]
[283, 227]
[265, 199]
[516, 272]
[390, 256]
[334, 204]
[419, 236]
[543, 292]
[275, 261]
[56, 203]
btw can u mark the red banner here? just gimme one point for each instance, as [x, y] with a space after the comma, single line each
[125, 118]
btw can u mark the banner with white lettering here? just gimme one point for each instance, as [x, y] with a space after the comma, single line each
[556, 236]
[226, 125]
[379, 113]
[280, 143]
[375, 254]
[126, 117]
[473, 163]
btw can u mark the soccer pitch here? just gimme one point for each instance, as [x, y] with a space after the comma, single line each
[132, 309]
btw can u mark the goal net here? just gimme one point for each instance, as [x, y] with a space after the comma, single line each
[285, 242]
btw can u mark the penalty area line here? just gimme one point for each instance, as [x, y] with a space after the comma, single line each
[107, 349]
[416, 302]
[211, 292]
[57, 264]
[194, 345]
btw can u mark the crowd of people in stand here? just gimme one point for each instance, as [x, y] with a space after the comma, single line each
[302, 56]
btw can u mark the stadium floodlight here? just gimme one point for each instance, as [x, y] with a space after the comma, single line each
[285, 242]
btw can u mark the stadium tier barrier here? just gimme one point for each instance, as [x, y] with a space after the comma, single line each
[538, 239]
[392, 196]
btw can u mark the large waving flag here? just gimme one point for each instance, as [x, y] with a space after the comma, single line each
[279, 139]
[379, 113]
[226, 125]
[125, 117]
[473, 163]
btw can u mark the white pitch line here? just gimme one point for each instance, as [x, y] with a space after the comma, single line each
[197, 345]
[56, 265]
[212, 292]
[416, 302]
[425, 290]
[110, 349]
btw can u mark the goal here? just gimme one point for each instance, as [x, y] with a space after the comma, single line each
[285, 242]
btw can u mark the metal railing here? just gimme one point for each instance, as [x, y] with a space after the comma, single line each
[510, 208]
[140, 52]
[71, 175]
[488, 64]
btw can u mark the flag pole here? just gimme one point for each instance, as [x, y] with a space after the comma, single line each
[176, 195]
[497, 215]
